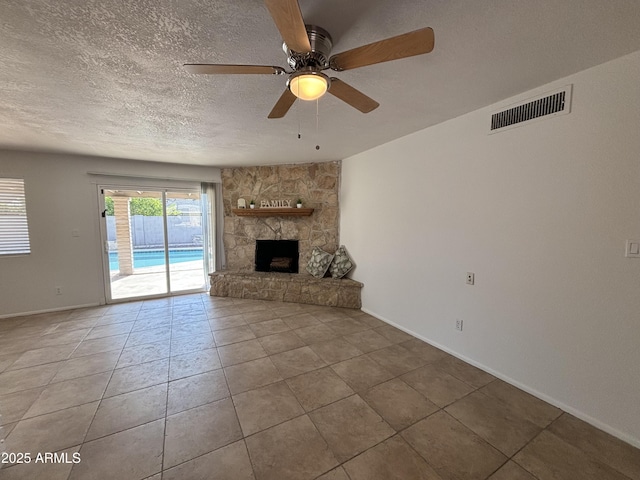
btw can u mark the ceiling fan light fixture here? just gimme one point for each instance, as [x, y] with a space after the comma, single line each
[308, 85]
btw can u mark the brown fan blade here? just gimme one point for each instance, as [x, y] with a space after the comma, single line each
[215, 69]
[394, 48]
[353, 97]
[287, 16]
[283, 104]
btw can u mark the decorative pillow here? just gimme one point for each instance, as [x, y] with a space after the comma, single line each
[341, 263]
[319, 262]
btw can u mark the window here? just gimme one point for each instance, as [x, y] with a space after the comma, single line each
[14, 231]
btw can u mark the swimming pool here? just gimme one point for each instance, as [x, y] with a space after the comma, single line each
[154, 258]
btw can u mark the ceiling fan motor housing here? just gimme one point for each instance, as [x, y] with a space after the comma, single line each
[318, 57]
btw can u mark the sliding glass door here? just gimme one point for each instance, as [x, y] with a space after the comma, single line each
[185, 236]
[152, 242]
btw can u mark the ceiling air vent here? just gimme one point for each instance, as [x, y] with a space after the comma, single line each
[541, 107]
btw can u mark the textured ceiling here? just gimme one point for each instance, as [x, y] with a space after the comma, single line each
[105, 77]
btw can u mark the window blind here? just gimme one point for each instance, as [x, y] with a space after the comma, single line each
[14, 230]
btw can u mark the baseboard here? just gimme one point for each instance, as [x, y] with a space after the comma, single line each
[556, 403]
[49, 310]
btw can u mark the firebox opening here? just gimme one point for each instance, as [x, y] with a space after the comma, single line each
[277, 256]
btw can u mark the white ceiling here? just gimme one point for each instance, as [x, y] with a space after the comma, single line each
[105, 77]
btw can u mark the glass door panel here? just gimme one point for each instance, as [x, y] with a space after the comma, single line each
[135, 243]
[185, 235]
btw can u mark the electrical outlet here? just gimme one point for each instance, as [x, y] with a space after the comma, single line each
[458, 324]
[632, 249]
[58, 290]
[471, 278]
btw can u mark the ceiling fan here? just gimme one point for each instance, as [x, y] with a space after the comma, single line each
[308, 49]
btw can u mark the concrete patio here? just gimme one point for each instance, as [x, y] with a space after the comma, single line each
[143, 282]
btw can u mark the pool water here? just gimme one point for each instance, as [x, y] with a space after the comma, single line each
[154, 258]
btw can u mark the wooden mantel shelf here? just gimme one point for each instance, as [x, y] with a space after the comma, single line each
[272, 212]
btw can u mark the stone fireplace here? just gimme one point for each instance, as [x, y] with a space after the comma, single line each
[243, 276]
[317, 184]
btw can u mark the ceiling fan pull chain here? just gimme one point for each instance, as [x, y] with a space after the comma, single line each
[317, 121]
[298, 118]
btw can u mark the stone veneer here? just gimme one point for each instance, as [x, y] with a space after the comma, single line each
[316, 183]
[287, 287]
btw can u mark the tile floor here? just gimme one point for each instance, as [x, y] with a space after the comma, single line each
[196, 387]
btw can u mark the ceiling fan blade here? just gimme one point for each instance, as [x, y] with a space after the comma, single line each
[283, 104]
[214, 69]
[287, 16]
[394, 48]
[353, 97]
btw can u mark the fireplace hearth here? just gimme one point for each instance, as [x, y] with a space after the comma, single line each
[277, 256]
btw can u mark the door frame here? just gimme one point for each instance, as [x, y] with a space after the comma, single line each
[104, 250]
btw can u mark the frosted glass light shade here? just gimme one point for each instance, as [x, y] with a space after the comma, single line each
[308, 86]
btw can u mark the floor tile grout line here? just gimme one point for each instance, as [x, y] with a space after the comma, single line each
[166, 403]
[399, 432]
[224, 373]
[251, 460]
[51, 346]
[166, 415]
[50, 382]
[416, 451]
[499, 401]
[456, 399]
[306, 413]
[103, 396]
[126, 428]
[44, 386]
[458, 377]
[442, 410]
[93, 417]
[593, 459]
[201, 455]
[326, 441]
[512, 457]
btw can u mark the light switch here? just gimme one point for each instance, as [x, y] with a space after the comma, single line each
[75, 232]
[633, 248]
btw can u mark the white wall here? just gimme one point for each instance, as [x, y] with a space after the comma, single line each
[540, 213]
[62, 196]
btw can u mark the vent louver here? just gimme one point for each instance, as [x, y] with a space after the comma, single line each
[547, 105]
